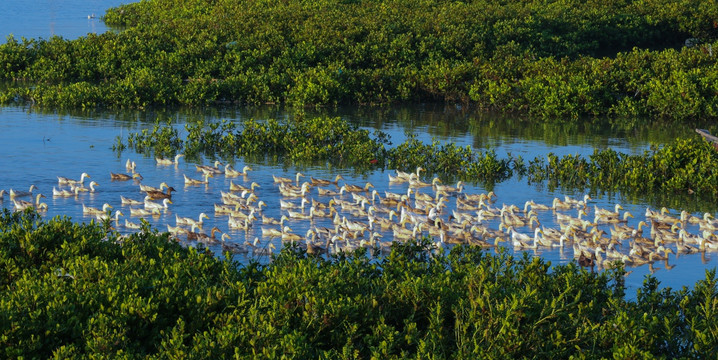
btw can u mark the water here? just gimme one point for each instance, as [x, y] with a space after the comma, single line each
[45, 18]
[38, 147]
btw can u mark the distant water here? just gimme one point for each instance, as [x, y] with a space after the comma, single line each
[44, 18]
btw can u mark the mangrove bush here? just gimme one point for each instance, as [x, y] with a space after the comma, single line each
[562, 59]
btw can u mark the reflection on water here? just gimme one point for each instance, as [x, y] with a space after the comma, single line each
[39, 146]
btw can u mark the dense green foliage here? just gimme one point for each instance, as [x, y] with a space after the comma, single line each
[311, 140]
[69, 291]
[547, 58]
[685, 166]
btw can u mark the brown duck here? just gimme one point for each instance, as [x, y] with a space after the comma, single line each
[157, 195]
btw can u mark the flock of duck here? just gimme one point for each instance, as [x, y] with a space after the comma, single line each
[336, 216]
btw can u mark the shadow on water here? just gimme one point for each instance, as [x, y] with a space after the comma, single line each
[444, 122]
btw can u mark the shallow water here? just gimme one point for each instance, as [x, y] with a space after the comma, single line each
[38, 147]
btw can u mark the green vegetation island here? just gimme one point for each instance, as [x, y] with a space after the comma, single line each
[548, 59]
[71, 290]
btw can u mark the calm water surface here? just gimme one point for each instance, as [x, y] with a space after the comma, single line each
[38, 147]
[45, 18]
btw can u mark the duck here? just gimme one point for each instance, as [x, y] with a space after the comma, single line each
[272, 232]
[262, 251]
[80, 188]
[242, 215]
[321, 206]
[449, 189]
[559, 204]
[607, 213]
[416, 183]
[234, 247]
[233, 199]
[127, 201]
[406, 176]
[224, 209]
[285, 180]
[290, 237]
[510, 219]
[535, 206]
[624, 231]
[143, 212]
[16, 194]
[191, 222]
[519, 240]
[322, 213]
[189, 181]
[66, 181]
[135, 226]
[314, 249]
[147, 188]
[661, 217]
[21, 205]
[682, 248]
[301, 216]
[237, 187]
[130, 166]
[651, 214]
[124, 177]
[574, 221]
[486, 197]
[106, 216]
[540, 240]
[176, 230]
[611, 219]
[161, 161]
[65, 193]
[577, 203]
[242, 224]
[231, 172]
[586, 261]
[207, 239]
[214, 170]
[95, 211]
[149, 205]
[665, 252]
[383, 248]
[356, 188]
[272, 221]
[323, 182]
[327, 192]
[157, 195]
[288, 192]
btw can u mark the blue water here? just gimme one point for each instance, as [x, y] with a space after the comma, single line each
[45, 18]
